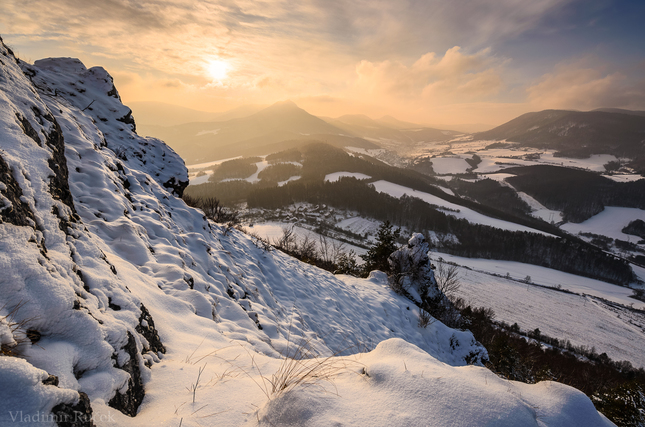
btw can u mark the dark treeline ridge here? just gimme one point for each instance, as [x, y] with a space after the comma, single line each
[279, 172]
[635, 228]
[493, 194]
[578, 194]
[321, 159]
[474, 240]
[236, 168]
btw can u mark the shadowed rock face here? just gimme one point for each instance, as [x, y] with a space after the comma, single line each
[19, 212]
[149, 331]
[79, 415]
[176, 186]
[59, 183]
[129, 402]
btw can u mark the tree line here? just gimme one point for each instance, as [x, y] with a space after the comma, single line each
[472, 240]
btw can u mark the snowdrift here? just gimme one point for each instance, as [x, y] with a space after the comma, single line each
[120, 305]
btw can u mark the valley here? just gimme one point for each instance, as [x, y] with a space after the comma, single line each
[457, 169]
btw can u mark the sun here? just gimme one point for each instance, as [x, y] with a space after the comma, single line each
[218, 69]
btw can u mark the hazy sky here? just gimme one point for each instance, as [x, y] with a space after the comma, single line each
[431, 61]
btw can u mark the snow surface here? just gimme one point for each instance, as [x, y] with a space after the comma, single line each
[221, 302]
[539, 210]
[359, 225]
[581, 319]
[623, 178]
[609, 222]
[196, 180]
[549, 277]
[398, 191]
[449, 165]
[333, 177]
[293, 178]
[272, 231]
[213, 163]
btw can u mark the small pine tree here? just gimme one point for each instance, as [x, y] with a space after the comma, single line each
[377, 255]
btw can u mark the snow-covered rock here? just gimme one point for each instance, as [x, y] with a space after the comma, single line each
[114, 286]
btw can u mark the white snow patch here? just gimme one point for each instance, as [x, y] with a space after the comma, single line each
[202, 179]
[213, 163]
[538, 210]
[449, 165]
[609, 222]
[398, 191]
[293, 178]
[548, 277]
[624, 178]
[579, 319]
[207, 132]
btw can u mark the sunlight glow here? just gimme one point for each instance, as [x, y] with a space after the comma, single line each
[218, 69]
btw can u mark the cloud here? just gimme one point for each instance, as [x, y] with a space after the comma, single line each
[380, 55]
[456, 77]
[174, 35]
[588, 84]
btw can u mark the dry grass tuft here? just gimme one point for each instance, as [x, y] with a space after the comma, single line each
[304, 369]
[12, 332]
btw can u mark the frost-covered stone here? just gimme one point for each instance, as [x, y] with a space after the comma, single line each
[412, 272]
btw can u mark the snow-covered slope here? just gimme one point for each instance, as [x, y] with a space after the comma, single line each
[140, 306]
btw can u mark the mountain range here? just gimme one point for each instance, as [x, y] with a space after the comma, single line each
[284, 125]
[576, 133]
[252, 130]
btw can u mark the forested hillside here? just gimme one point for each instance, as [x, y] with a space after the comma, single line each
[578, 194]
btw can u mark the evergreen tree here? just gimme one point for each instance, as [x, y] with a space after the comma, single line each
[377, 256]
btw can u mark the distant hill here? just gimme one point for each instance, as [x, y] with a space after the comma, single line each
[621, 111]
[576, 133]
[390, 133]
[280, 126]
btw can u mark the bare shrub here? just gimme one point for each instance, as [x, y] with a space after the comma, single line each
[447, 277]
[307, 248]
[325, 251]
[425, 319]
[214, 210]
[287, 241]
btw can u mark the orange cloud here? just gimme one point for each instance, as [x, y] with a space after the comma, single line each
[585, 85]
[456, 77]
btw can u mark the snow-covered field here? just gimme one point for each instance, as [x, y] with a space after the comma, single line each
[583, 320]
[539, 210]
[359, 225]
[609, 222]
[208, 164]
[398, 191]
[196, 180]
[496, 159]
[449, 165]
[272, 231]
[548, 277]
